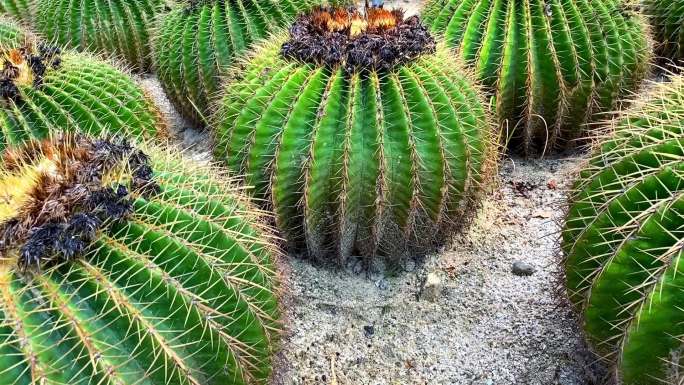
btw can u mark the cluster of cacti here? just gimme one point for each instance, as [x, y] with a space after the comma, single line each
[667, 18]
[361, 131]
[198, 39]
[146, 269]
[550, 65]
[43, 89]
[115, 27]
[23, 10]
[624, 241]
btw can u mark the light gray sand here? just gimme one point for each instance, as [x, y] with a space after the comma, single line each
[487, 325]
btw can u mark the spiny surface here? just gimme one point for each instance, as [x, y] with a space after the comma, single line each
[624, 239]
[667, 19]
[179, 290]
[116, 27]
[196, 42]
[549, 65]
[380, 39]
[22, 10]
[46, 91]
[357, 163]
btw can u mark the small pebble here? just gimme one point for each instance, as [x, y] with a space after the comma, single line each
[432, 288]
[522, 269]
[369, 330]
[382, 284]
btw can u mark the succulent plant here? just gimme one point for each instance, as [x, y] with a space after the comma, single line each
[197, 41]
[363, 133]
[119, 28]
[667, 19]
[23, 10]
[43, 89]
[624, 238]
[549, 65]
[146, 269]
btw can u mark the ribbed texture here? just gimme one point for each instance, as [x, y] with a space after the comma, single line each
[115, 27]
[624, 240]
[373, 163]
[195, 44]
[19, 9]
[667, 18]
[180, 293]
[550, 65]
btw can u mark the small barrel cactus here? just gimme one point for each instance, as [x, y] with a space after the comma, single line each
[550, 65]
[44, 90]
[624, 240]
[667, 18]
[197, 40]
[116, 27]
[23, 10]
[124, 264]
[365, 135]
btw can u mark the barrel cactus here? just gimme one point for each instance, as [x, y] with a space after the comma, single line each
[23, 10]
[624, 239]
[667, 18]
[116, 27]
[144, 269]
[198, 39]
[43, 89]
[549, 65]
[362, 132]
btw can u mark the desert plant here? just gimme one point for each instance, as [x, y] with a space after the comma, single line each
[23, 10]
[197, 40]
[146, 269]
[667, 19]
[549, 65]
[363, 133]
[43, 89]
[624, 239]
[116, 27]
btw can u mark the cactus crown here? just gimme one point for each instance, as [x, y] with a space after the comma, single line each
[25, 65]
[378, 39]
[57, 193]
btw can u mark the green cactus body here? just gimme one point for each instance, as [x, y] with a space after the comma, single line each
[67, 91]
[624, 241]
[19, 9]
[667, 18]
[550, 65]
[196, 42]
[116, 27]
[180, 290]
[356, 161]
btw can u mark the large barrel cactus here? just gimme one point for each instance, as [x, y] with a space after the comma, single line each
[624, 241]
[365, 135]
[124, 264]
[550, 65]
[43, 89]
[23, 10]
[115, 27]
[667, 18]
[197, 40]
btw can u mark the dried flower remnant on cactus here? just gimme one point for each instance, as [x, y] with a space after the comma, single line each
[380, 39]
[25, 66]
[55, 194]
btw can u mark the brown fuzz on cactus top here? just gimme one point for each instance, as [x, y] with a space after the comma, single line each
[58, 192]
[25, 66]
[379, 39]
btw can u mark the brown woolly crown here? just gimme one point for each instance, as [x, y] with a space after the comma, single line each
[25, 65]
[378, 39]
[55, 194]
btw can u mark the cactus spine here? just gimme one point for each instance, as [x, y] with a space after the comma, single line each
[175, 287]
[197, 40]
[624, 239]
[116, 27]
[19, 9]
[44, 90]
[667, 18]
[358, 152]
[550, 65]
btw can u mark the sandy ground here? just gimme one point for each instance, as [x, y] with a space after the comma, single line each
[485, 325]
